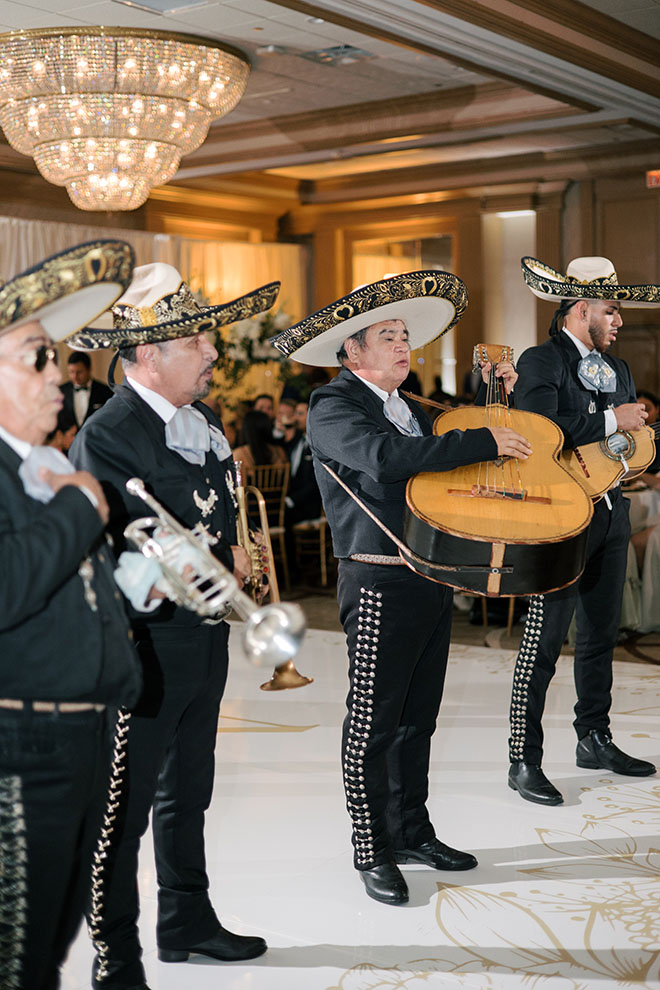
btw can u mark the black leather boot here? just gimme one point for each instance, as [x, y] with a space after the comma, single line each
[532, 784]
[224, 945]
[438, 856]
[596, 751]
[385, 883]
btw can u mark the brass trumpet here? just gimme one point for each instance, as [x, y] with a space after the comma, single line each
[262, 561]
[260, 552]
[198, 581]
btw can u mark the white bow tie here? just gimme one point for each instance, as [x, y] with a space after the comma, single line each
[191, 435]
[188, 434]
[399, 413]
[48, 457]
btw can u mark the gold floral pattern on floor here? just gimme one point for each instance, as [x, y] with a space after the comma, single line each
[581, 908]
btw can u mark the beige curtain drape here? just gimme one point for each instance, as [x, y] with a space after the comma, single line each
[221, 270]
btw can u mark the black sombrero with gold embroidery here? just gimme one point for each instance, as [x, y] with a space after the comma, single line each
[586, 278]
[69, 289]
[160, 306]
[428, 302]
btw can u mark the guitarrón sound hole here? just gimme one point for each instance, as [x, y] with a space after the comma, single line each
[618, 445]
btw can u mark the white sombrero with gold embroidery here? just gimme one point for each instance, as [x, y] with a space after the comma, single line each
[159, 306]
[586, 278]
[69, 289]
[428, 302]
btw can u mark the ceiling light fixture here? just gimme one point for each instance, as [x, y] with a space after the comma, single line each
[338, 55]
[108, 112]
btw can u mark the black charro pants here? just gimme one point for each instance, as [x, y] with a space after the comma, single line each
[596, 600]
[169, 764]
[397, 627]
[53, 787]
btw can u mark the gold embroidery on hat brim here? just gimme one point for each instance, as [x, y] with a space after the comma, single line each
[63, 275]
[559, 286]
[185, 325]
[401, 288]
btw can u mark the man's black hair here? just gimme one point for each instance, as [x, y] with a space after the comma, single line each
[129, 354]
[359, 337]
[80, 357]
[558, 318]
[643, 393]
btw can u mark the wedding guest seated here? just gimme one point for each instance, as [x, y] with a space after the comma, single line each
[303, 499]
[62, 436]
[651, 403]
[232, 421]
[256, 442]
[285, 432]
[265, 403]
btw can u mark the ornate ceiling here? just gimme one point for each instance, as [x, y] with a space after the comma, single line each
[360, 98]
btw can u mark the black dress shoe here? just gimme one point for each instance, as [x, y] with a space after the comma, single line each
[386, 884]
[438, 856]
[597, 752]
[532, 784]
[223, 945]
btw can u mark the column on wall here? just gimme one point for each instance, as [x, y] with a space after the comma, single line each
[548, 250]
[469, 267]
[509, 307]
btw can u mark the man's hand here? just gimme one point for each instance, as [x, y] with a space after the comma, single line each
[505, 371]
[81, 479]
[242, 568]
[630, 416]
[509, 443]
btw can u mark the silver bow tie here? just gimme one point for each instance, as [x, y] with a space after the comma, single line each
[399, 413]
[48, 457]
[596, 374]
[188, 434]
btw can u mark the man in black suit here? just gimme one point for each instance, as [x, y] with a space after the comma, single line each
[303, 500]
[83, 395]
[397, 623]
[590, 394]
[57, 576]
[155, 427]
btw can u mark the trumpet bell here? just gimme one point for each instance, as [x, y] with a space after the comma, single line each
[273, 633]
[286, 676]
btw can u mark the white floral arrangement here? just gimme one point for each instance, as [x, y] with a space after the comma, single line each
[246, 343]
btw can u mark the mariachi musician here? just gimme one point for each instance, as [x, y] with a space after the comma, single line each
[155, 427]
[574, 381]
[397, 622]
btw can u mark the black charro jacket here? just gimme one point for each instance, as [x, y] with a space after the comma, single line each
[348, 430]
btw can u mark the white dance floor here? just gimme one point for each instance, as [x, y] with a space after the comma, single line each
[564, 898]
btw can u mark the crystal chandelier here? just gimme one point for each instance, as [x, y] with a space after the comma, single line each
[108, 112]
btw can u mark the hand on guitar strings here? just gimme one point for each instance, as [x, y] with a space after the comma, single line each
[509, 443]
[504, 370]
[630, 416]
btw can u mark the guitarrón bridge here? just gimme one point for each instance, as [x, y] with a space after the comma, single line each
[483, 491]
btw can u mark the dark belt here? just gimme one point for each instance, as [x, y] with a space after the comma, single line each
[64, 707]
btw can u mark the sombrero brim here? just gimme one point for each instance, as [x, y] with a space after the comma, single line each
[546, 283]
[210, 318]
[69, 289]
[428, 302]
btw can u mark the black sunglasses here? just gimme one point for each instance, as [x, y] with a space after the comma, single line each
[39, 357]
